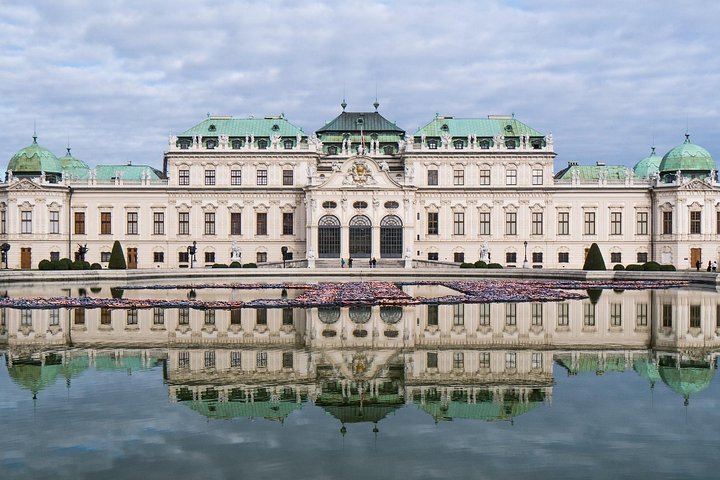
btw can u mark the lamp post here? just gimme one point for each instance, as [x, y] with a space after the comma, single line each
[284, 251]
[525, 262]
[191, 249]
[4, 249]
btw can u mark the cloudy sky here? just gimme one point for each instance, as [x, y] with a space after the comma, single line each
[606, 78]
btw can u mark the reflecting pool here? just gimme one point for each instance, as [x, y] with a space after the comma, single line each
[620, 384]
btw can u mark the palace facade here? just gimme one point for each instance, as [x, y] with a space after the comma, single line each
[456, 190]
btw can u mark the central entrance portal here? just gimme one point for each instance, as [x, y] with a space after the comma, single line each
[360, 237]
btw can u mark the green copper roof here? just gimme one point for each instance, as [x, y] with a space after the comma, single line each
[686, 378]
[487, 411]
[687, 157]
[481, 127]
[241, 127]
[647, 370]
[649, 165]
[34, 159]
[368, 122]
[69, 162]
[591, 173]
[232, 409]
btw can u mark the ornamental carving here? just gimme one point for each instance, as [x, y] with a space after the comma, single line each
[359, 174]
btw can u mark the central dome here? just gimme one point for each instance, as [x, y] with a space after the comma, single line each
[687, 158]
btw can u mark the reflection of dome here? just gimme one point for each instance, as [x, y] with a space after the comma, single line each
[649, 165]
[685, 378]
[647, 370]
[687, 158]
[35, 376]
[33, 160]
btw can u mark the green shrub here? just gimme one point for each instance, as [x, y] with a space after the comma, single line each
[494, 265]
[45, 265]
[651, 267]
[480, 264]
[235, 265]
[116, 292]
[95, 266]
[619, 266]
[117, 258]
[219, 265]
[633, 267]
[668, 268]
[594, 259]
[467, 265]
[64, 264]
[81, 265]
[249, 265]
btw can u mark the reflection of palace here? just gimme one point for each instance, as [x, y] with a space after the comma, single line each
[484, 361]
[361, 187]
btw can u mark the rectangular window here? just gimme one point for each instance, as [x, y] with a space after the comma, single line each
[667, 223]
[537, 223]
[158, 257]
[184, 177]
[563, 223]
[288, 223]
[132, 223]
[615, 257]
[667, 315]
[537, 176]
[184, 315]
[484, 177]
[261, 257]
[642, 223]
[510, 314]
[458, 360]
[158, 223]
[432, 223]
[54, 316]
[433, 315]
[3, 223]
[26, 317]
[616, 314]
[184, 223]
[79, 316]
[458, 177]
[432, 360]
[236, 316]
[510, 257]
[695, 312]
[484, 223]
[105, 256]
[55, 256]
[563, 257]
[589, 223]
[288, 177]
[261, 223]
[235, 223]
[588, 314]
[432, 177]
[54, 222]
[183, 257]
[484, 314]
[511, 177]
[184, 360]
[642, 257]
[641, 314]
[287, 360]
[262, 177]
[695, 221]
[510, 360]
[261, 360]
[131, 317]
[235, 177]
[106, 223]
[209, 177]
[536, 317]
[209, 223]
[615, 223]
[510, 223]
[261, 316]
[209, 317]
[563, 314]
[26, 221]
[537, 257]
[287, 316]
[537, 361]
[459, 223]
[158, 316]
[484, 360]
[717, 223]
[209, 358]
[433, 256]
[209, 257]
[458, 257]
[235, 359]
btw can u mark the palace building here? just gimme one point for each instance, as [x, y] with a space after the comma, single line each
[456, 190]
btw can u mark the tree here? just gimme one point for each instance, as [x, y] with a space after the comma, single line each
[117, 258]
[594, 259]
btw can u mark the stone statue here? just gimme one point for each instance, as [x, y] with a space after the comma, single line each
[310, 171]
[485, 252]
[275, 140]
[234, 252]
[224, 141]
[384, 167]
[298, 139]
[172, 141]
[445, 140]
[575, 176]
[335, 166]
[549, 139]
[311, 254]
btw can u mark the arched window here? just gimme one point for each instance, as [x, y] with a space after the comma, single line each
[360, 314]
[262, 144]
[484, 144]
[329, 237]
[288, 144]
[237, 144]
[510, 144]
[391, 315]
[211, 144]
[458, 144]
[360, 236]
[391, 237]
[332, 150]
[329, 315]
[388, 150]
[432, 144]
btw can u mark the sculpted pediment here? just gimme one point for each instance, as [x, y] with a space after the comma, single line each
[696, 184]
[360, 172]
[25, 185]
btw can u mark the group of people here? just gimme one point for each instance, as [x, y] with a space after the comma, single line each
[711, 266]
[372, 263]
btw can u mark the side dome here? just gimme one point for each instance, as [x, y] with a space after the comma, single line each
[69, 162]
[33, 160]
[648, 166]
[687, 158]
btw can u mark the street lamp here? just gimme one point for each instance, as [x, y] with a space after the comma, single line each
[191, 249]
[525, 262]
[4, 248]
[284, 251]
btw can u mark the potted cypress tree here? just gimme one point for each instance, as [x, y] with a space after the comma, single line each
[117, 258]
[594, 259]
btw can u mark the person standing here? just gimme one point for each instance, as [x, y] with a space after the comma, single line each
[350, 262]
[697, 265]
[342, 263]
[714, 265]
[709, 269]
[374, 262]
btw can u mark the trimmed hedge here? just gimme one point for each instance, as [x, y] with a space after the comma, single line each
[467, 265]
[594, 259]
[235, 265]
[219, 265]
[494, 265]
[480, 264]
[95, 266]
[619, 266]
[117, 258]
[249, 265]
